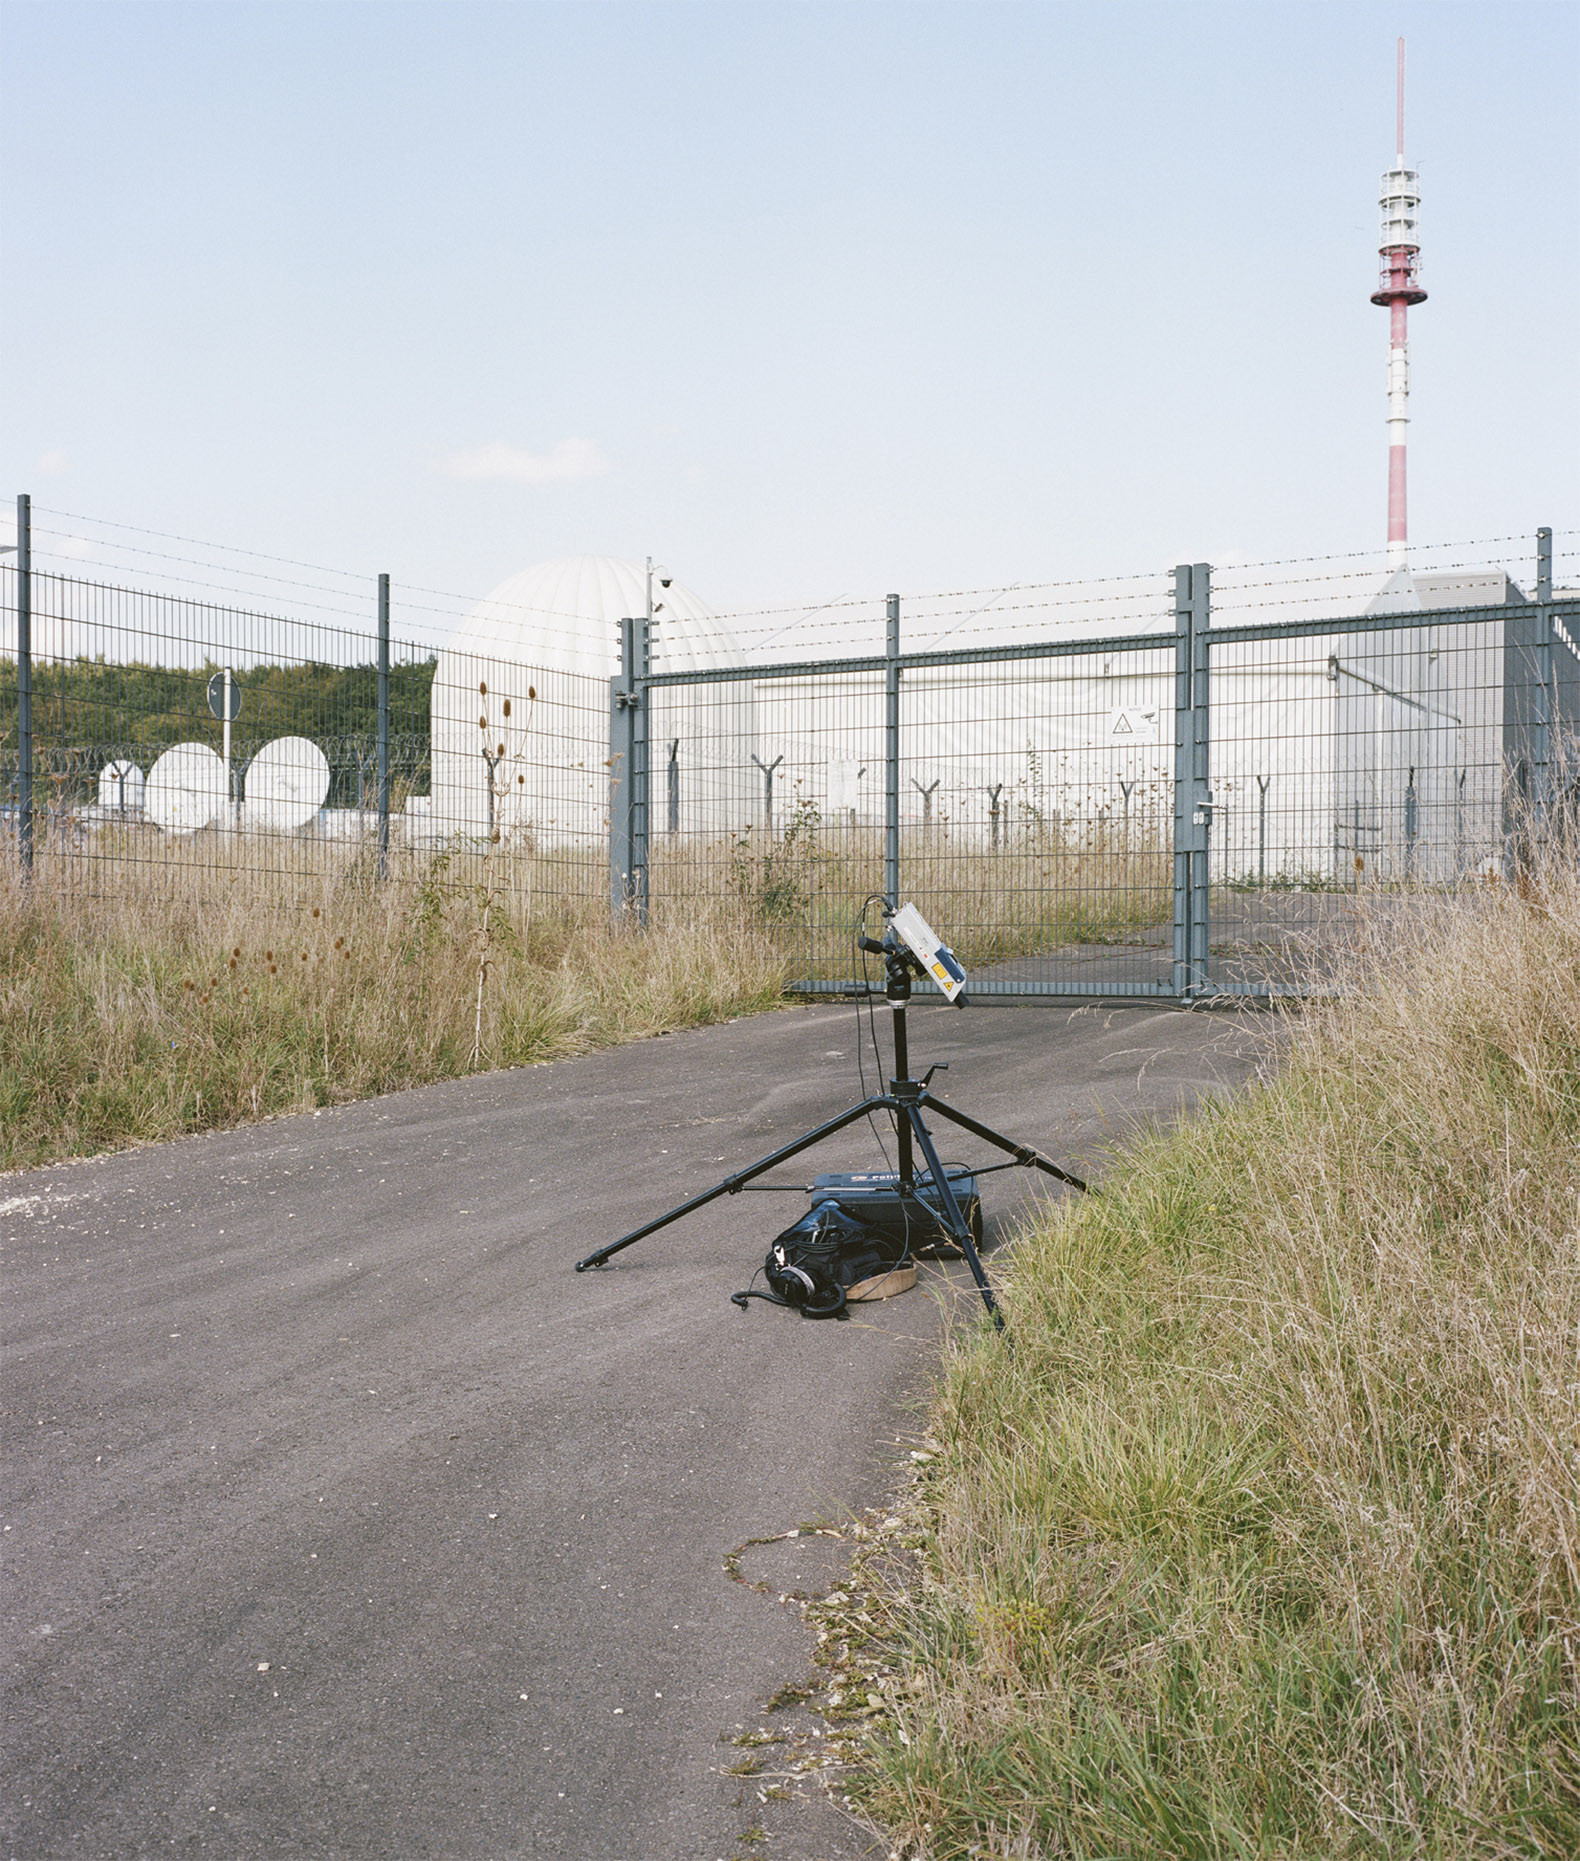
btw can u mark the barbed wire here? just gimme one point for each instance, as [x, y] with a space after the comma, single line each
[466, 605]
[73, 576]
[1231, 587]
[194, 542]
[1266, 562]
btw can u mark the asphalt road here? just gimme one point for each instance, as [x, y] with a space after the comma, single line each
[341, 1518]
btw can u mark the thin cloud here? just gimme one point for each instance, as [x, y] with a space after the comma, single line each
[569, 459]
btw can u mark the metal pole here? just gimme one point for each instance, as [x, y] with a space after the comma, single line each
[224, 732]
[891, 755]
[1183, 763]
[768, 769]
[1192, 775]
[1459, 823]
[1202, 811]
[384, 726]
[640, 772]
[1543, 746]
[621, 761]
[24, 679]
[1262, 782]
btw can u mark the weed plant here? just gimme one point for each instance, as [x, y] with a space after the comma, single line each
[1265, 1540]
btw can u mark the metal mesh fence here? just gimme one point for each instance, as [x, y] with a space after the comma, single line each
[1157, 785]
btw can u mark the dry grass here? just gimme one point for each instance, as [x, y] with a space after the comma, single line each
[1037, 893]
[150, 987]
[1266, 1539]
[144, 1000]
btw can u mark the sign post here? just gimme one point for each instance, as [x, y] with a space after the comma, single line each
[224, 702]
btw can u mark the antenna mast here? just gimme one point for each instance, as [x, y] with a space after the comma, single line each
[1399, 288]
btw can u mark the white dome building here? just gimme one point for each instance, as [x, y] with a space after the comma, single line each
[520, 710]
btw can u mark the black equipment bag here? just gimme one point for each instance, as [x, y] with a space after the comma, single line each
[875, 1196]
[827, 1257]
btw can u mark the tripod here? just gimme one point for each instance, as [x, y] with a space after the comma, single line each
[903, 1101]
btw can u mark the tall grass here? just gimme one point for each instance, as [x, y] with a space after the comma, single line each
[151, 986]
[1037, 892]
[143, 1000]
[1265, 1541]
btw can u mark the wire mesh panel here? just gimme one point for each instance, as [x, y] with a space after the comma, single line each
[138, 768]
[767, 800]
[178, 736]
[1145, 786]
[520, 772]
[1035, 782]
[1035, 805]
[1375, 734]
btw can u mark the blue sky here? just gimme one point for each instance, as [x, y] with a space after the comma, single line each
[801, 298]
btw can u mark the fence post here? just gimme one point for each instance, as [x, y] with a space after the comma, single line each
[641, 768]
[1192, 776]
[1545, 670]
[620, 761]
[891, 754]
[384, 726]
[1541, 745]
[24, 680]
[628, 773]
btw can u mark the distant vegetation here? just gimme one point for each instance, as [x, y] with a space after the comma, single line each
[86, 711]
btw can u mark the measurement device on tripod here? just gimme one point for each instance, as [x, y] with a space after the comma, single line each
[926, 1200]
[936, 958]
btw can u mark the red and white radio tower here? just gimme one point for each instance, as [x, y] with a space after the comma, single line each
[1399, 289]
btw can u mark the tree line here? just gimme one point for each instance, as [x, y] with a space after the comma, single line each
[88, 711]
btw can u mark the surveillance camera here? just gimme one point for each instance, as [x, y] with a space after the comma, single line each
[665, 580]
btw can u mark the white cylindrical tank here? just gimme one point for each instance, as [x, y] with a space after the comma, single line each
[545, 644]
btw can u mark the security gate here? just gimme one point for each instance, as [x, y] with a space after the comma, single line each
[1138, 816]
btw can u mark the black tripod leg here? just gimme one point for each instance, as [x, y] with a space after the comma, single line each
[732, 1184]
[953, 1219]
[1022, 1153]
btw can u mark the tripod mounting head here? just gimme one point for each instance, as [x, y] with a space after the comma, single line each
[899, 964]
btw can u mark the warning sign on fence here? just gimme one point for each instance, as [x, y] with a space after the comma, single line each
[1134, 723]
